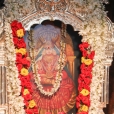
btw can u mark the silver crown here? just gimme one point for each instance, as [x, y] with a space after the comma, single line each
[46, 33]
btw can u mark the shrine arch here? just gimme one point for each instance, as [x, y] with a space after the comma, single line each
[66, 18]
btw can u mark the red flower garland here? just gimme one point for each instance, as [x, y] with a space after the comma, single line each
[84, 80]
[23, 64]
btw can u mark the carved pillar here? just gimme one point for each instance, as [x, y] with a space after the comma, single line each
[3, 84]
[105, 84]
[111, 102]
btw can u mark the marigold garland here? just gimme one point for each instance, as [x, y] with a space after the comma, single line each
[23, 64]
[84, 80]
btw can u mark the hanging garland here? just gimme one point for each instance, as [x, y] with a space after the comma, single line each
[22, 65]
[84, 80]
[56, 86]
[15, 101]
[95, 31]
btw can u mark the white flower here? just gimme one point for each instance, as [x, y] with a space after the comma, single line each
[13, 82]
[58, 78]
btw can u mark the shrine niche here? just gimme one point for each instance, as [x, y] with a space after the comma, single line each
[48, 54]
[38, 65]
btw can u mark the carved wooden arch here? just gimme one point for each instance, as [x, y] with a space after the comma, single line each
[65, 17]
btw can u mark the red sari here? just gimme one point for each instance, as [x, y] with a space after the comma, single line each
[61, 101]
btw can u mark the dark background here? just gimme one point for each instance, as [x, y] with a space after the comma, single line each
[110, 8]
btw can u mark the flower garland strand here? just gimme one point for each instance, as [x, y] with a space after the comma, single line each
[61, 63]
[94, 30]
[84, 80]
[22, 65]
[13, 83]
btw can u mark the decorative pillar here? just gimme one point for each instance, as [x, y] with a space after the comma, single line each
[105, 84]
[3, 84]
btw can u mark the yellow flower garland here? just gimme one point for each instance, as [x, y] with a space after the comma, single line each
[32, 104]
[20, 33]
[21, 50]
[86, 61]
[84, 108]
[85, 92]
[26, 91]
[24, 72]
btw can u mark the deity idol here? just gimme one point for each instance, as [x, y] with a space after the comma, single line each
[53, 86]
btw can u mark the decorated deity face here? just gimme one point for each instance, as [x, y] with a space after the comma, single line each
[48, 52]
[49, 48]
[47, 35]
[48, 45]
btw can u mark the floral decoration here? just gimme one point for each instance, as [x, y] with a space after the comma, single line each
[23, 64]
[84, 80]
[13, 82]
[61, 63]
[94, 31]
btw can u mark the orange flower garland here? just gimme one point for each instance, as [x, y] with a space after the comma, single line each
[23, 64]
[84, 80]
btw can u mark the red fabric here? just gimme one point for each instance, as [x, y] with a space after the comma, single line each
[59, 99]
